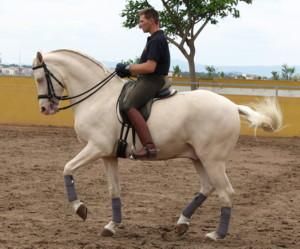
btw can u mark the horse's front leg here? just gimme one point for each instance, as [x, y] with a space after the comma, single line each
[88, 154]
[111, 166]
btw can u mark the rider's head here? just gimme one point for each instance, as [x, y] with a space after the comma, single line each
[149, 20]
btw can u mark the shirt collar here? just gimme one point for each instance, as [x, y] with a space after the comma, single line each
[157, 32]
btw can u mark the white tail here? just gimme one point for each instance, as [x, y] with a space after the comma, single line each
[265, 114]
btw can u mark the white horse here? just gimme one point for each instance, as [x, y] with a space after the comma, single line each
[200, 125]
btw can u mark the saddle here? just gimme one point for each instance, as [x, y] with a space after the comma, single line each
[145, 110]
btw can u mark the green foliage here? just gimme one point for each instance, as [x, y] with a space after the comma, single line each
[131, 10]
[179, 17]
[211, 71]
[176, 71]
[131, 61]
[287, 72]
[275, 75]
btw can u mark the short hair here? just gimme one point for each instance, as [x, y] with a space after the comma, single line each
[150, 13]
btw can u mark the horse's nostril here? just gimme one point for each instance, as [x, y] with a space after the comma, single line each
[43, 109]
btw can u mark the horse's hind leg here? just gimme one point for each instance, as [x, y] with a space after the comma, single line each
[205, 190]
[88, 154]
[218, 178]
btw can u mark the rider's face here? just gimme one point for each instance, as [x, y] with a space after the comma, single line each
[145, 24]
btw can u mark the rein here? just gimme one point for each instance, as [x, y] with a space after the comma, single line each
[51, 92]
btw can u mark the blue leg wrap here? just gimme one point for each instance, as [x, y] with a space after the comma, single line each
[70, 188]
[191, 208]
[224, 222]
[116, 210]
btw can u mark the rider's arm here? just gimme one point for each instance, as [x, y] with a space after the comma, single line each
[143, 68]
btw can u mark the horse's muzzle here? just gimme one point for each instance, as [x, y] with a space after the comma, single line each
[49, 109]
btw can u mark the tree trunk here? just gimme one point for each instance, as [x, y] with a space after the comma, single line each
[192, 69]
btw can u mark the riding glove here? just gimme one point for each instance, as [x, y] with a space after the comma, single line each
[122, 70]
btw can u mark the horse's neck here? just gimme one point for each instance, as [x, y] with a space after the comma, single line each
[79, 77]
[81, 82]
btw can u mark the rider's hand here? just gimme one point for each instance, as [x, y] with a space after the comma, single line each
[122, 70]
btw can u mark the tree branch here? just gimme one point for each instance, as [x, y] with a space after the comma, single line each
[184, 37]
[201, 28]
[181, 48]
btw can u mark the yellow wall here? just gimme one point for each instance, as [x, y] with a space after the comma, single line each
[19, 105]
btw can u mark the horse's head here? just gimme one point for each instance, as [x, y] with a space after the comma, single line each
[49, 87]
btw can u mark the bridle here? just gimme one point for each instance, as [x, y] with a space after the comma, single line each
[51, 95]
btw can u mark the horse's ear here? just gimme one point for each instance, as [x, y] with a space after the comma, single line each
[39, 57]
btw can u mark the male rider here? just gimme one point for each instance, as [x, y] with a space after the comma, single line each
[151, 72]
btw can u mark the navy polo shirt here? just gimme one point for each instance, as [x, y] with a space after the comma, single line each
[157, 49]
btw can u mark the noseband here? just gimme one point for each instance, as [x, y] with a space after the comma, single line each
[51, 95]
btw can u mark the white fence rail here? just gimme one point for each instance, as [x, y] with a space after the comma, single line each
[242, 89]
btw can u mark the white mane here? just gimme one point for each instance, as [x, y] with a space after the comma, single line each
[82, 55]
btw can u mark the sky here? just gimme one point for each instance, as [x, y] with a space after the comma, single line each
[267, 33]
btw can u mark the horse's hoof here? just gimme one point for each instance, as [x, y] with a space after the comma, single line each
[214, 236]
[82, 211]
[107, 233]
[177, 234]
[181, 229]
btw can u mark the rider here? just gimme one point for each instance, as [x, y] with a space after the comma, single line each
[151, 74]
